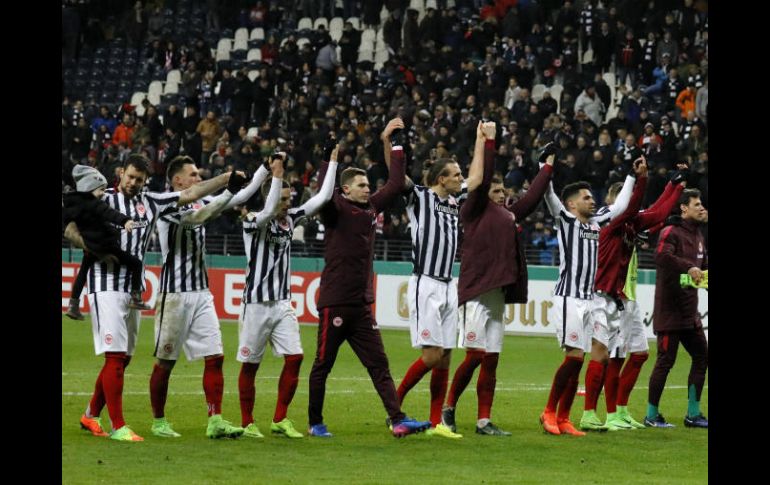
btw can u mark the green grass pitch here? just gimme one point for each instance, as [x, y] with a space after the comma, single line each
[362, 450]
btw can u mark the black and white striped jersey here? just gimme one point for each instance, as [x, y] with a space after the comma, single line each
[434, 224]
[183, 249]
[268, 251]
[579, 242]
[267, 240]
[144, 209]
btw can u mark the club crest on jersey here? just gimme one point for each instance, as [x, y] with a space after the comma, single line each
[337, 321]
[283, 224]
[245, 351]
[471, 336]
[108, 339]
[140, 209]
[425, 333]
[168, 348]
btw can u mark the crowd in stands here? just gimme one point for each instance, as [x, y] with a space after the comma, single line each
[606, 80]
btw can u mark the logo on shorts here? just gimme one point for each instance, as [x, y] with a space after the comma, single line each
[245, 351]
[197, 205]
[425, 333]
[140, 209]
[337, 321]
[573, 336]
[471, 336]
[168, 348]
[108, 339]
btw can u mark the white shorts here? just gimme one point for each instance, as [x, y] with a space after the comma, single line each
[189, 321]
[576, 323]
[481, 322]
[607, 315]
[432, 312]
[632, 334]
[115, 326]
[274, 321]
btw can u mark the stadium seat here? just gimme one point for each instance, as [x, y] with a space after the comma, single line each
[253, 74]
[174, 76]
[137, 97]
[355, 21]
[156, 87]
[257, 33]
[254, 55]
[242, 34]
[171, 88]
[321, 21]
[305, 23]
[588, 56]
[556, 90]
[537, 92]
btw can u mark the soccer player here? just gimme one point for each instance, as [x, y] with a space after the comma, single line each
[115, 325]
[572, 310]
[616, 279]
[346, 292]
[493, 274]
[680, 250]
[607, 304]
[97, 223]
[267, 311]
[434, 213]
[185, 317]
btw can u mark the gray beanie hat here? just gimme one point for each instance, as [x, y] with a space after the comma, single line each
[87, 179]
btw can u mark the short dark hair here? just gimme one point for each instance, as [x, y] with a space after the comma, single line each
[176, 165]
[688, 194]
[349, 173]
[266, 187]
[496, 179]
[438, 169]
[572, 189]
[139, 162]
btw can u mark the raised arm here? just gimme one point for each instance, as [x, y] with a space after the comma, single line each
[476, 172]
[621, 202]
[485, 150]
[555, 207]
[273, 199]
[216, 206]
[527, 204]
[324, 195]
[394, 124]
[636, 197]
[247, 192]
[202, 189]
[395, 184]
[657, 212]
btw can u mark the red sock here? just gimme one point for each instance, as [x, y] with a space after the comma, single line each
[628, 377]
[570, 366]
[214, 384]
[485, 387]
[287, 385]
[247, 391]
[463, 375]
[412, 377]
[568, 396]
[594, 381]
[611, 381]
[439, 380]
[97, 399]
[159, 390]
[112, 383]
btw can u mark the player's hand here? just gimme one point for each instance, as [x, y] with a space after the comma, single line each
[640, 167]
[695, 273]
[276, 166]
[394, 124]
[548, 149]
[236, 181]
[489, 128]
[329, 146]
[479, 131]
[550, 159]
[129, 225]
